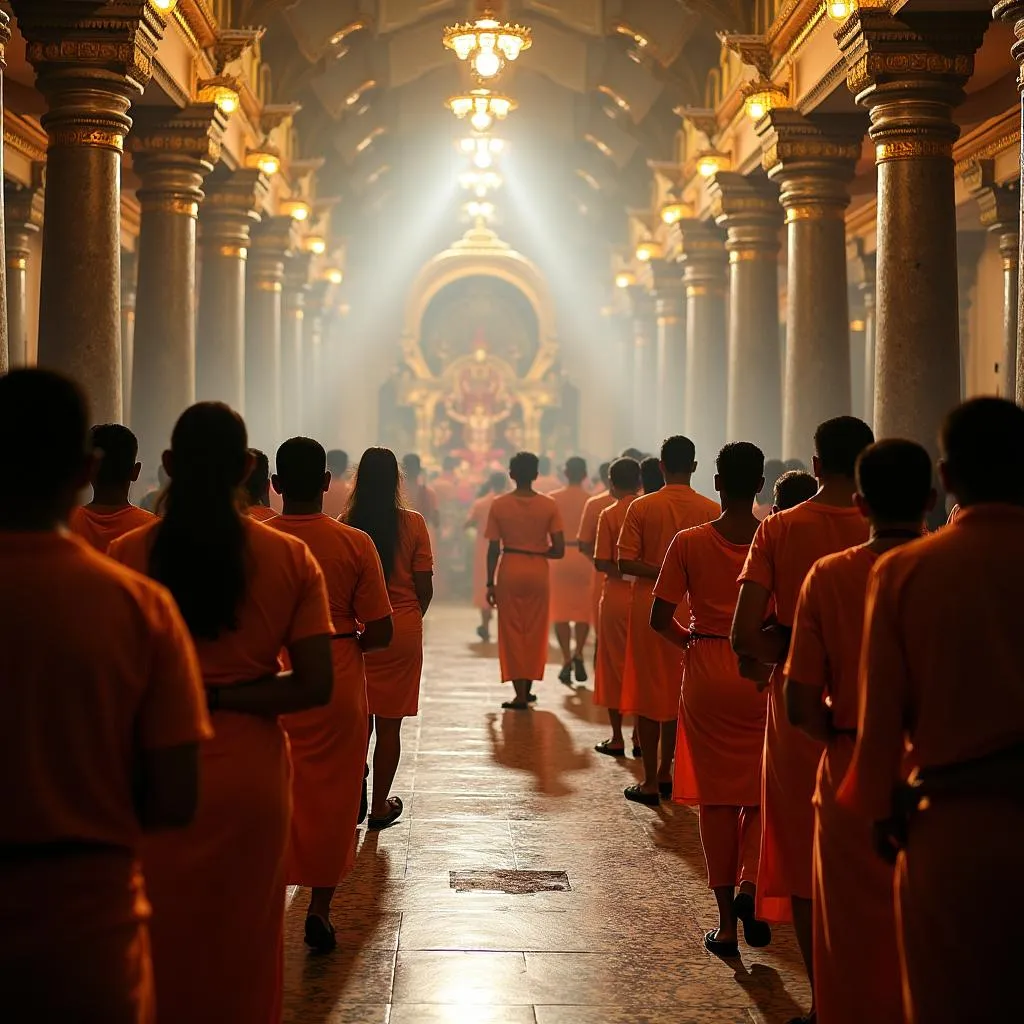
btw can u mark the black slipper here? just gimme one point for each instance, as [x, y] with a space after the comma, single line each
[811, 1018]
[565, 676]
[484, 635]
[638, 796]
[726, 950]
[532, 698]
[637, 752]
[320, 934]
[605, 747]
[514, 705]
[665, 789]
[756, 933]
[364, 801]
[580, 669]
[395, 808]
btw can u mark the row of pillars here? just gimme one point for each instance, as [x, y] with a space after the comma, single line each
[706, 338]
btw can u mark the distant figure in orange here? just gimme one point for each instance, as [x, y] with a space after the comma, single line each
[546, 481]
[791, 489]
[773, 471]
[524, 531]
[721, 714]
[421, 496]
[328, 745]
[257, 488]
[336, 498]
[246, 592]
[572, 577]
[393, 675]
[99, 736]
[587, 538]
[110, 514]
[496, 483]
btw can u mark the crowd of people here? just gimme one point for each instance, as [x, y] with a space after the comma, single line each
[190, 692]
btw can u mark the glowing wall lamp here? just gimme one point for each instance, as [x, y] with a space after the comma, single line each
[648, 250]
[265, 160]
[762, 97]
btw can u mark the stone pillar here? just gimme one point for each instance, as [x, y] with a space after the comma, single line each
[670, 351]
[173, 151]
[909, 72]
[7, 359]
[970, 245]
[271, 242]
[313, 363]
[645, 427]
[293, 312]
[228, 213]
[23, 216]
[812, 160]
[88, 66]
[748, 209]
[704, 279]
[129, 278]
[863, 266]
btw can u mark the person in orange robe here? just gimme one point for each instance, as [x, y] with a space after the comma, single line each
[393, 675]
[496, 484]
[652, 677]
[524, 531]
[854, 914]
[246, 592]
[721, 715]
[586, 537]
[257, 488]
[791, 489]
[773, 471]
[421, 496]
[786, 546]
[337, 495]
[616, 597]
[110, 514]
[328, 745]
[546, 481]
[99, 736]
[572, 577]
[943, 668]
[652, 475]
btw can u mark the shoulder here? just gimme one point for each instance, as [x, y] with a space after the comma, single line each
[268, 542]
[132, 548]
[412, 521]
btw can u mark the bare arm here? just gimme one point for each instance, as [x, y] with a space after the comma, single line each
[557, 549]
[493, 554]
[307, 685]
[423, 583]
[663, 622]
[806, 710]
[377, 634]
[749, 637]
[629, 567]
[167, 786]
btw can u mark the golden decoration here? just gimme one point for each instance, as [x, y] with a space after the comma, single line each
[268, 286]
[17, 263]
[101, 138]
[234, 252]
[694, 291]
[744, 255]
[1009, 263]
[913, 149]
[927, 62]
[816, 211]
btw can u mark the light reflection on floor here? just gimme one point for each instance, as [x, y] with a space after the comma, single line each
[487, 789]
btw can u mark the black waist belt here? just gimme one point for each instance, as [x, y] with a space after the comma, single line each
[519, 551]
[706, 636]
[344, 636]
[852, 733]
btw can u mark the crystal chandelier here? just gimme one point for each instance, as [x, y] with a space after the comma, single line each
[487, 43]
[482, 107]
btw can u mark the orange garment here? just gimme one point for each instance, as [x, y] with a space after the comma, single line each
[616, 598]
[572, 577]
[96, 667]
[653, 673]
[99, 529]
[422, 498]
[336, 497]
[546, 483]
[478, 518]
[328, 745]
[943, 666]
[587, 535]
[261, 513]
[525, 522]
[217, 887]
[393, 674]
[785, 547]
[854, 911]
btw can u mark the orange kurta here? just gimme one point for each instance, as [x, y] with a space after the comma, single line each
[616, 597]
[478, 518]
[572, 577]
[101, 529]
[393, 674]
[785, 547]
[546, 484]
[587, 535]
[653, 672]
[328, 745]
[96, 668]
[217, 887]
[943, 666]
[854, 911]
[261, 513]
[525, 522]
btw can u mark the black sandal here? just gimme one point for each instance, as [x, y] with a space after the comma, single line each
[756, 933]
[638, 796]
[605, 747]
[532, 698]
[726, 950]
[637, 752]
[364, 800]
[395, 808]
[565, 676]
[665, 789]
[320, 934]
[514, 705]
[580, 669]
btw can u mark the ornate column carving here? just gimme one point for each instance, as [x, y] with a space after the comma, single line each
[271, 242]
[173, 151]
[670, 347]
[228, 213]
[23, 216]
[129, 280]
[705, 269]
[812, 160]
[748, 209]
[909, 73]
[293, 312]
[863, 264]
[999, 206]
[645, 427]
[89, 66]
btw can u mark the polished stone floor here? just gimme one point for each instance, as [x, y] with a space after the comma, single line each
[487, 789]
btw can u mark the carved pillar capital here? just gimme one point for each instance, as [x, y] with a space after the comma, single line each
[748, 209]
[667, 290]
[998, 205]
[272, 241]
[703, 256]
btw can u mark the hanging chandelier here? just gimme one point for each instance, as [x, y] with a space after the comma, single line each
[487, 44]
[482, 107]
[480, 183]
[482, 150]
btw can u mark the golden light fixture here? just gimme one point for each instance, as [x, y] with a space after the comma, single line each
[856, 326]
[588, 178]
[265, 160]
[762, 97]
[297, 209]
[315, 244]
[648, 250]
[487, 43]
[483, 149]
[619, 100]
[367, 142]
[222, 91]
[601, 147]
[479, 210]
[333, 275]
[625, 279]
[163, 6]
[482, 107]
[840, 10]
[673, 212]
[480, 182]
[710, 162]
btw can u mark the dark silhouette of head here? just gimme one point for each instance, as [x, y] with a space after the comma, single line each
[497, 483]
[337, 463]
[257, 483]
[524, 468]
[375, 504]
[982, 443]
[301, 470]
[450, 463]
[837, 443]
[773, 469]
[118, 449]
[740, 475]
[602, 472]
[543, 466]
[624, 475]
[412, 467]
[576, 469]
[633, 453]
[793, 488]
[894, 482]
[651, 475]
[678, 457]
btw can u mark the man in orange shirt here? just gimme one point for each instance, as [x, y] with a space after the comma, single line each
[257, 488]
[103, 714]
[943, 667]
[587, 538]
[653, 674]
[546, 481]
[854, 914]
[785, 547]
[110, 514]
